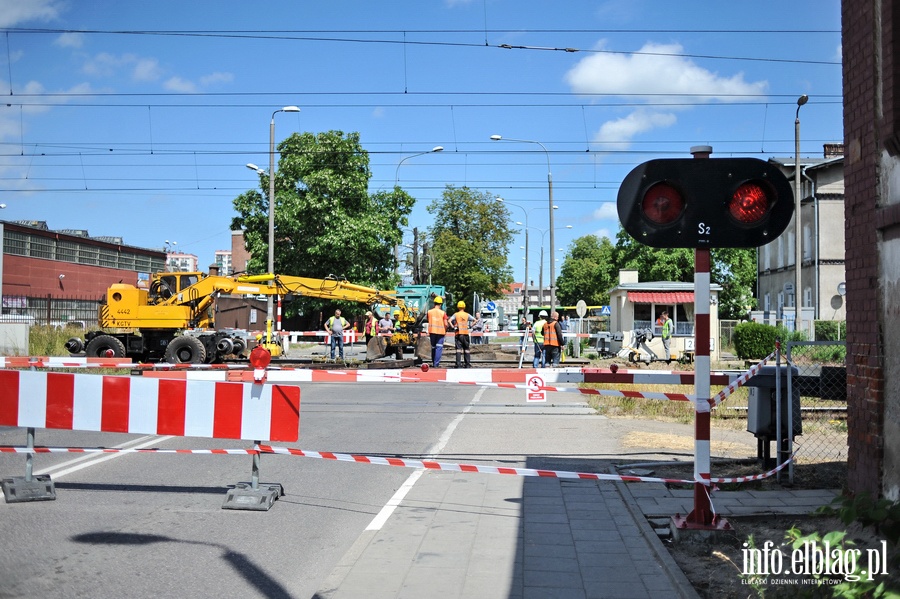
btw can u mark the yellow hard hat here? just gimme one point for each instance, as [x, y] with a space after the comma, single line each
[438, 299]
[461, 304]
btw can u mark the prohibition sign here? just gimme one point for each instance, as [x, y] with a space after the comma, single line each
[535, 389]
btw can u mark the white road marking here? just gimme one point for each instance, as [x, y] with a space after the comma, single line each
[86, 461]
[433, 451]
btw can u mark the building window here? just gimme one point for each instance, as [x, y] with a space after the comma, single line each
[807, 243]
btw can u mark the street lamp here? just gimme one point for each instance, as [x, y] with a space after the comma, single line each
[541, 270]
[798, 319]
[270, 310]
[396, 181]
[525, 285]
[168, 248]
[549, 208]
[404, 159]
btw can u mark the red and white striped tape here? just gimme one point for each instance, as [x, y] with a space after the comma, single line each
[395, 461]
[124, 404]
[739, 382]
[120, 363]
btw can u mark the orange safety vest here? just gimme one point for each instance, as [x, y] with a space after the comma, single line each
[550, 337]
[436, 321]
[462, 322]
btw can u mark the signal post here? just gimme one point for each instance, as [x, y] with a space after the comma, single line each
[704, 203]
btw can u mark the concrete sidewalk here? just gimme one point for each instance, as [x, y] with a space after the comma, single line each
[465, 534]
[483, 536]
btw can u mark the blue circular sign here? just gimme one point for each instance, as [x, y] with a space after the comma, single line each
[491, 306]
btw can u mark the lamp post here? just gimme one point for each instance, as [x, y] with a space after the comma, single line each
[270, 310]
[798, 246]
[169, 249]
[525, 284]
[541, 270]
[549, 208]
[405, 158]
[396, 181]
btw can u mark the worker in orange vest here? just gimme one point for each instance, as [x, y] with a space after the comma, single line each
[553, 340]
[437, 328]
[462, 322]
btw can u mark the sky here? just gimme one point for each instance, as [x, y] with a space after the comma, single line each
[136, 119]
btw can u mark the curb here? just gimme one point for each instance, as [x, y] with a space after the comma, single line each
[679, 581]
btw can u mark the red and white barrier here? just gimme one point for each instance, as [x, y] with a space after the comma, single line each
[146, 405]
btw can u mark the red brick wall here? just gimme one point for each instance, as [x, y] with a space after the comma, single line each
[864, 138]
[36, 277]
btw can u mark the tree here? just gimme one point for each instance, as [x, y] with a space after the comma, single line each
[469, 243]
[588, 272]
[326, 223]
[732, 268]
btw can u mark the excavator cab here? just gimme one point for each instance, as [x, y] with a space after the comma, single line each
[169, 284]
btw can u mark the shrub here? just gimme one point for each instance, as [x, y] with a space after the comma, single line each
[754, 340]
[831, 330]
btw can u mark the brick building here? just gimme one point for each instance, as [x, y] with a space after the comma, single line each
[871, 59]
[40, 268]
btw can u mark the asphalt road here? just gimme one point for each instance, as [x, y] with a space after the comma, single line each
[144, 525]
[141, 525]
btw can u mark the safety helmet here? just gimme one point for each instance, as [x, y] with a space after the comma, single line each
[460, 304]
[438, 299]
[542, 313]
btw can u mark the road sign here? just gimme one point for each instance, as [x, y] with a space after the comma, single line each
[581, 308]
[604, 311]
[535, 390]
[490, 305]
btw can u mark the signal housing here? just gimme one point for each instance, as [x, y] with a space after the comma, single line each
[724, 202]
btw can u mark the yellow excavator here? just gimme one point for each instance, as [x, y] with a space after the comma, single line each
[173, 320]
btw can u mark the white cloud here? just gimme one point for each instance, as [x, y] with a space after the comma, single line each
[601, 233]
[14, 12]
[655, 73]
[656, 70]
[146, 69]
[177, 84]
[606, 211]
[69, 40]
[628, 127]
[105, 64]
[214, 78]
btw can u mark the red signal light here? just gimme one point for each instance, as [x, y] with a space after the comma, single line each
[662, 204]
[749, 204]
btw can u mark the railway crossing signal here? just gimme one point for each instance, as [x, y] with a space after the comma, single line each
[706, 203]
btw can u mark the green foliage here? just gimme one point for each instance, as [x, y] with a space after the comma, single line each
[50, 341]
[882, 515]
[326, 222]
[470, 238]
[653, 264]
[732, 268]
[831, 330]
[754, 340]
[588, 272]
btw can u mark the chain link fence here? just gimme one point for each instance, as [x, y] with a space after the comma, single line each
[819, 376]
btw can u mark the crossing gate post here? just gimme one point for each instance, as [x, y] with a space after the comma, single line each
[702, 517]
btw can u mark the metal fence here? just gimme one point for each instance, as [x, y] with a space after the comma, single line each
[80, 312]
[820, 380]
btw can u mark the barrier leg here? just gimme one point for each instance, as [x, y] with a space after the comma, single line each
[253, 495]
[18, 489]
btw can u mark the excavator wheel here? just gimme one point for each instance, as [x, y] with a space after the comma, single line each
[105, 346]
[185, 350]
